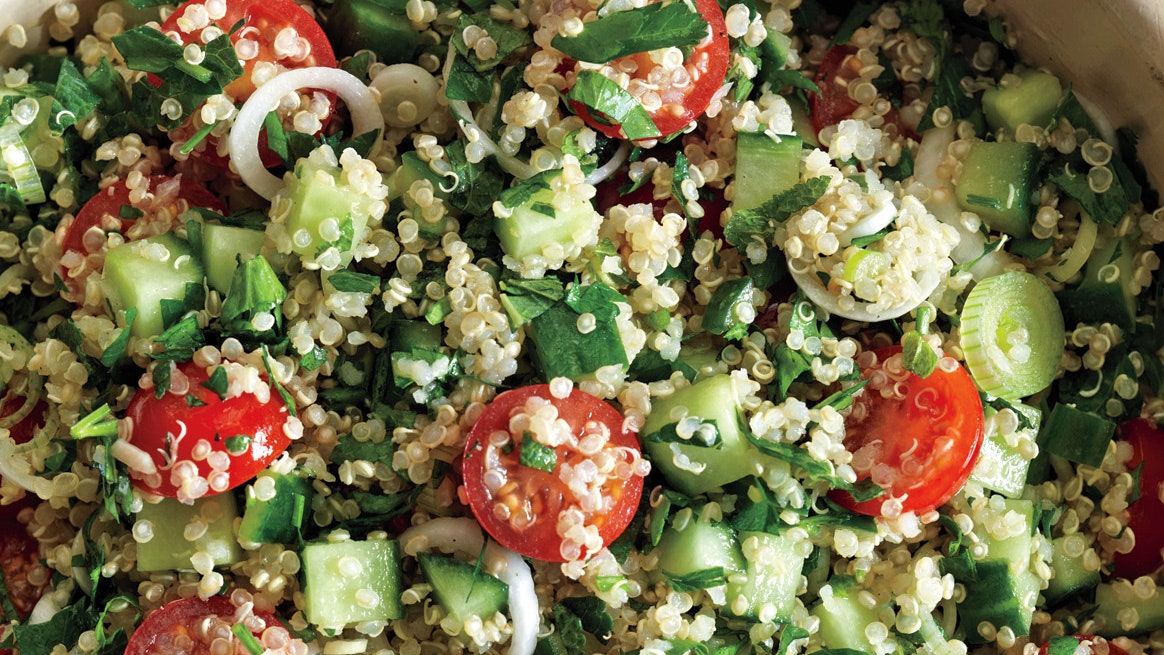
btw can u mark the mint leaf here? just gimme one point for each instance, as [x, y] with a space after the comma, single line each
[72, 97]
[641, 29]
[761, 221]
[702, 579]
[604, 96]
[349, 281]
[537, 455]
[1107, 207]
[508, 39]
[525, 300]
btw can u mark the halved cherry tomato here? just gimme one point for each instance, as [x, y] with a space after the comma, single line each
[1146, 515]
[19, 551]
[182, 626]
[269, 27]
[706, 65]
[191, 445]
[1096, 645]
[833, 104]
[521, 506]
[920, 445]
[169, 198]
[608, 196]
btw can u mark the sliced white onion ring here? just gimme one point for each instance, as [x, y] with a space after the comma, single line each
[876, 220]
[244, 134]
[814, 288]
[463, 535]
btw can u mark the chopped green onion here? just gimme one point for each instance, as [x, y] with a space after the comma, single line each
[19, 165]
[247, 639]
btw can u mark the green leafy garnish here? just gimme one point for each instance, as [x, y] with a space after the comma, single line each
[238, 444]
[255, 289]
[116, 348]
[761, 221]
[350, 281]
[537, 455]
[508, 39]
[525, 300]
[605, 97]
[218, 382]
[917, 355]
[702, 579]
[642, 29]
[247, 639]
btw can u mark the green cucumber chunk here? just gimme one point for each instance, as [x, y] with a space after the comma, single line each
[1012, 335]
[347, 582]
[1070, 577]
[765, 166]
[169, 550]
[1004, 591]
[222, 246]
[695, 469]
[549, 218]
[1001, 466]
[381, 26]
[463, 590]
[771, 578]
[1032, 101]
[1119, 611]
[1107, 293]
[325, 212]
[843, 620]
[698, 546]
[1077, 435]
[142, 273]
[275, 506]
[996, 183]
[563, 347]
[412, 169]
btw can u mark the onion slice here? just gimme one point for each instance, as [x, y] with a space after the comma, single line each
[18, 163]
[463, 535]
[244, 134]
[811, 285]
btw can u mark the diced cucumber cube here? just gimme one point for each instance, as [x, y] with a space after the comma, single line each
[1004, 590]
[411, 170]
[169, 550]
[996, 183]
[325, 212]
[1001, 467]
[1102, 295]
[1070, 575]
[713, 399]
[346, 582]
[462, 589]
[1119, 611]
[551, 223]
[771, 578]
[698, 546]
[275, 519]
[142, 273]
[1032, 101]
[843, 620]
[222, 245]
[765, 167]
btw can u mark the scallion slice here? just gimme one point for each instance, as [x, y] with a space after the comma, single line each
[19, 166]
[1012, 335]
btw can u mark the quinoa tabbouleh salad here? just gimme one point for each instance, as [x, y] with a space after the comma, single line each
[567, 326]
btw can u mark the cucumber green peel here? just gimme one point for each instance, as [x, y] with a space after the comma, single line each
[1012, 335]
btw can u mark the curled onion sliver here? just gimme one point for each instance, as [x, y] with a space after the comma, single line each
[464, 535]
[816, 291]
[244, 134]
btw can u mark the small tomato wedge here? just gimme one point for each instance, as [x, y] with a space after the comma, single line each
[1144, 515]
[839, 67]
[681, 104]
[202, 444]
[275, 32]
[192, 625]
[83, 240]
[917, 438]
[550, 478]
[1070, 644]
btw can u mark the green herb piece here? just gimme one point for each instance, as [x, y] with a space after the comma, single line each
[180, 340]
[917, 355]
[255, 289]
[277, 137]
[523, 191]
[859, 13]
[761, 221]
[218, 382]
[238, 444]
[948, 92]
[642, 29]
[7, 610]
[465, 83]
[537, 455]
[314, 359]
[349, 281]
[816, 469]
[722, 314]
[842, 399]
[788, 635]
[902, 169]
[508, 39]
[1062, 645]
[1108, 207]
[702, 579]
[65, 627]
[97, 423]
[525, 300]
[288, 400]
[194, 401]
[348, 449]
[72, 98]
[247, 639]
[706, 435]
[116, 348]
[605, 97]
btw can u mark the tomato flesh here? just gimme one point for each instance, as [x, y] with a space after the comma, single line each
[1147, 441]
[168, 198]
[19, 551]
[833, 104]
[920, 443]
[522, 506]
[706, 66]
[178, 626]
[265, 25]
[191, 446]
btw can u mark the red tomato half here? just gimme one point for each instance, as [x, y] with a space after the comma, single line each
[834, 105]
[521, 506]
[176, 627]
[706, 65]
[1146, 515]
[275, 31]
[920, 445]
[168, 198]
[191, 445]
[1095, 643]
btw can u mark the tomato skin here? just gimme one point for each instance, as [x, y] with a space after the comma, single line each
[1144, 515]
[19, 551]
[833, 104]
[263, 20]
[541, 540]
[952, 407]
[181, 617]
[710, 58]
[1112, 648]
[108, 202]
[156, 421]
[608, 195]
